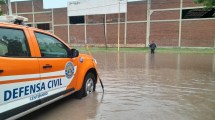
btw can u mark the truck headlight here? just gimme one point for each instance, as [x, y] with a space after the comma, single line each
[94, 60]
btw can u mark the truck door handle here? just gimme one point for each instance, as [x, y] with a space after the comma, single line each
[1, 71]
[47, 66]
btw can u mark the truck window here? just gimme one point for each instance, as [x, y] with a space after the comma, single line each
[13, 43]
[50, 47]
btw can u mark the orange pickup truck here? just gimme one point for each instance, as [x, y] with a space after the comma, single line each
[37, 68]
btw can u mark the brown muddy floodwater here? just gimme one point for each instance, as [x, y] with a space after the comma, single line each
[139, 86]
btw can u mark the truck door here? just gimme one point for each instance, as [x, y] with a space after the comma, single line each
[58, 70]
[19, 72]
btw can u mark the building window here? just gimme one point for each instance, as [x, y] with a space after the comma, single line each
[76, 20]
[198, 13]
[44, 26]
[95, 19]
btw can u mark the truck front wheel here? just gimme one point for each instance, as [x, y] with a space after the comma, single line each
[88, 86]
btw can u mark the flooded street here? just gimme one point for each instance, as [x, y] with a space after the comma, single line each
[140, 86]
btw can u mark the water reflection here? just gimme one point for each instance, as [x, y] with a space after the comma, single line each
[164, 86]
[69, 109]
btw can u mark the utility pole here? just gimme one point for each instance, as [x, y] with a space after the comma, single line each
[118, 26]
[126, 18]
[180, 23]
[9, 9]
[105, 30]
[85, 29]
[148, 22]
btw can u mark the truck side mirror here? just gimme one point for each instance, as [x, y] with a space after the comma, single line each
[74, 53]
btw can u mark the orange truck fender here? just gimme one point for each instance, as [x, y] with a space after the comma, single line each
[87, 65]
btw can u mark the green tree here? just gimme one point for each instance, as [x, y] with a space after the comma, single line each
[207, 3]
[1, 3]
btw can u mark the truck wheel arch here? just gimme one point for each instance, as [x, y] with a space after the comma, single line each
[82, 91]
[81, 78]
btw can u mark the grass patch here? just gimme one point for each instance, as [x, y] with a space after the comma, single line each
[146, 49]
[187, 50]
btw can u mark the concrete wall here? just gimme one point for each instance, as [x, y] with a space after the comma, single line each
[164, 25]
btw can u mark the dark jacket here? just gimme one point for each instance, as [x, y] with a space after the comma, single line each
[152, 46]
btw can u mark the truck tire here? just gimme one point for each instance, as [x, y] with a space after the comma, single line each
[88, 86]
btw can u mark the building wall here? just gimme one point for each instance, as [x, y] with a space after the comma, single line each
[165, 15]
[198, 33]
[24, 7]
[62, 32]
[112, 34]
[165, 4]
[164, 25]
[60, 16]
[43, 17]
[136, 33]
[95, 34]
[137, 11]
[163, 35]
[77, 35]
[38, 6]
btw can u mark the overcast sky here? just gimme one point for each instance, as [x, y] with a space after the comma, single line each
[57, 3]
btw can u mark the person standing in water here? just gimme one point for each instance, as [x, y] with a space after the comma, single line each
[152, 46]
